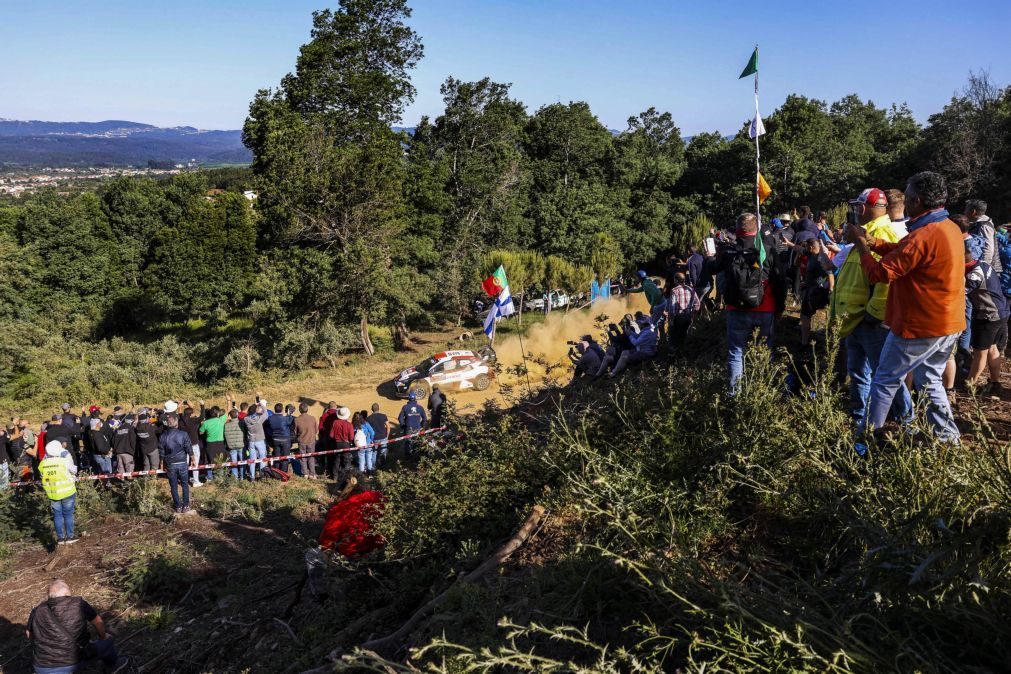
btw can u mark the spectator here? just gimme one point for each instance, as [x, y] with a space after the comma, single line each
[412, 419]
[124, 443]
[858, 307]
[57, 431]
[280, 425]
[190, 424]
[619, 341]
[982, 229]
[897, 211]
[436, 401]
[58, 481]
[257, 439]
[1004, 249]
[326, 442]
[73, 424]
[343, 435]
[925, 309]
[176, 451]
[147, 440]
[213, 431]
[305, 434]
[7, 458]
[100, 437]
[989, 321]
[586, 360]
[362, 444]
[235, 440]
[755, 293]
[695, 262]
[818, 280]
[381, 425]
[655, 297]
[645, 342]
[681, 308]
[58, 631]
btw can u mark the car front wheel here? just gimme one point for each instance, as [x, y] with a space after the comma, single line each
[421, 390]
[482, 382]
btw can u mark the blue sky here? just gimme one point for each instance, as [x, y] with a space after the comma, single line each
[200, 62]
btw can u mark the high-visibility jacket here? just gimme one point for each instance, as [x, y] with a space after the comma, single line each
[56, 478]
[854, 297]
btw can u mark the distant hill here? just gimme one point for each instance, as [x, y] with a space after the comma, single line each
[114, 143]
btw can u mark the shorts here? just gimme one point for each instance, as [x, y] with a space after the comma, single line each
[988, 333]
[814, 298]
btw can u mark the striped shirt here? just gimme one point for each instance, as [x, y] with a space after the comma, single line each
[683, 300]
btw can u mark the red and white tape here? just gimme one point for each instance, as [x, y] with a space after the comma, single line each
[241, 462]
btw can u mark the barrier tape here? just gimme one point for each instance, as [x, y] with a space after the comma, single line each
[242, 462]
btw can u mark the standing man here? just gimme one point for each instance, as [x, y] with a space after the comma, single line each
[412, 419]
[255, 435]
[305, 434]
[897, 211]
[58, 630]
[58, 471]
[324, 440]
[381, 425]
[680, 310]
[755, 294]
[280, 425]
[7, 458]
[147, 440]
[124, 443]
[235, 441]
[858, 307]
[982, 229]
[989, 322]
[342, 433]
[925, 310]
[657, 302]
[436, 401]
[176, 451]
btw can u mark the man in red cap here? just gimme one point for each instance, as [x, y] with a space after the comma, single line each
[859, 307]
[925, 311]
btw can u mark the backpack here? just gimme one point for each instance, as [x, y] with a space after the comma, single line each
[275, 473]
[745, 278]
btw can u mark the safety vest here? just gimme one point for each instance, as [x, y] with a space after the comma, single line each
[56, 479]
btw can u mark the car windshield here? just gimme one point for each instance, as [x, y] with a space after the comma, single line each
[426, 366]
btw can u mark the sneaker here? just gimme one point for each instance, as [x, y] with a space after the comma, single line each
[197, 484]
[120, 665]
[178, 510]
[62, 541]
[71, 540]
[186, 510]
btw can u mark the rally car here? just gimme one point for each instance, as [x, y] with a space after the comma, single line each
[451, 370]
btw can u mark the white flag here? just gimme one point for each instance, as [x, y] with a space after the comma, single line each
[757, 128]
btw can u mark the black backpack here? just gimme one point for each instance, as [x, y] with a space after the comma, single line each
[745, 278]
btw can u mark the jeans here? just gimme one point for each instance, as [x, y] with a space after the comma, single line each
[102, 649]
[257, 452]
[925, 358]
[233, 456]
[656, 314]
[177, 476]
[63, 516]
[863, 352]
[5, 476]
[381, 448]
[196, 459]
[366, 459]
[740, 327]
[103, 464]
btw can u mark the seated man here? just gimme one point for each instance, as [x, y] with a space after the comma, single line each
[58, 630]
[586, 360]
[618, 341]
[645, 343]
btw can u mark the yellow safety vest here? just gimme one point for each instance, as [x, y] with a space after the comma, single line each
[56, 479]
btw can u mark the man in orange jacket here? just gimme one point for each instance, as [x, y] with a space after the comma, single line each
[925, 311]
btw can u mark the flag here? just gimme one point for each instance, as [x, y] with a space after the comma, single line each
[763, 189]
[503, 299]
[752, 66]
[757, 128]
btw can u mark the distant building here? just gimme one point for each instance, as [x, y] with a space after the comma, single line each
[250, 194]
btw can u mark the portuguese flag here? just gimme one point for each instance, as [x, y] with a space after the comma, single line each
[496, 283]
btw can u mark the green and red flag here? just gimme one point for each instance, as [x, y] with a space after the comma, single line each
[496, 283]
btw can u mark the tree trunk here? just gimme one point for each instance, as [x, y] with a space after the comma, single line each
[401, 336]
[366, 341]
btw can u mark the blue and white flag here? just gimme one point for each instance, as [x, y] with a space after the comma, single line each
[503, 307]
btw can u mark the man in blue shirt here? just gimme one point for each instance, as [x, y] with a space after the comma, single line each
[175, 448]
[412, 419]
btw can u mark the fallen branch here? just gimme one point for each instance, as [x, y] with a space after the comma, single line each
[391, 643]
[288, 627]
[249, 527]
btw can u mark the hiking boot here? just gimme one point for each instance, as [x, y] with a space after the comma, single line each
[122, 663]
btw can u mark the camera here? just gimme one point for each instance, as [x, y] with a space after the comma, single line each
[571, 343]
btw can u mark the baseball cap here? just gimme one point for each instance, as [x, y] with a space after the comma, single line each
[872, 196]
[412, 396]
[65, 406]
[641, 273]
[94, 408]
[777, 223]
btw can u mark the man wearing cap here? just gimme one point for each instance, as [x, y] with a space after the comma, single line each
[925, 309]
[412, 417]
[58, 472]
[342, 434]
[858, 308]
[657, 302]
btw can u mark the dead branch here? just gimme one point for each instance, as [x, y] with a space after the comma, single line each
[391, 643]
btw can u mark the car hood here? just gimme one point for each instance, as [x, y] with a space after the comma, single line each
[408, 374]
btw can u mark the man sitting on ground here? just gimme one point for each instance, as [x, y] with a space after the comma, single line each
[58, 630]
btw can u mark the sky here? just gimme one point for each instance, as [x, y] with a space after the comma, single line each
[200, 62]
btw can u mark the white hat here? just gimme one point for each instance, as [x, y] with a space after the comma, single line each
[54, 447]
[344, 413]
[171, 406]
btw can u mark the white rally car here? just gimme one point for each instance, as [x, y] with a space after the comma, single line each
[451, 370]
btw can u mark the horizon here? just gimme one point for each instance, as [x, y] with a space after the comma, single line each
[566, 51]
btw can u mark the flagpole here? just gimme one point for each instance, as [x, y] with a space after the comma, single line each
[758, 155]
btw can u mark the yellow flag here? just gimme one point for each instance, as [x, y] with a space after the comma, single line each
[763, 189]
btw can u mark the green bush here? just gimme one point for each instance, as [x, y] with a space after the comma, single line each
[161, 573]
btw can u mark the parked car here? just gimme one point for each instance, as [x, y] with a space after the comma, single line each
[451, 370]
[535, 302]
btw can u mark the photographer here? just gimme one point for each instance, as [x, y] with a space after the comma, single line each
[586, 359]
[619, 340]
